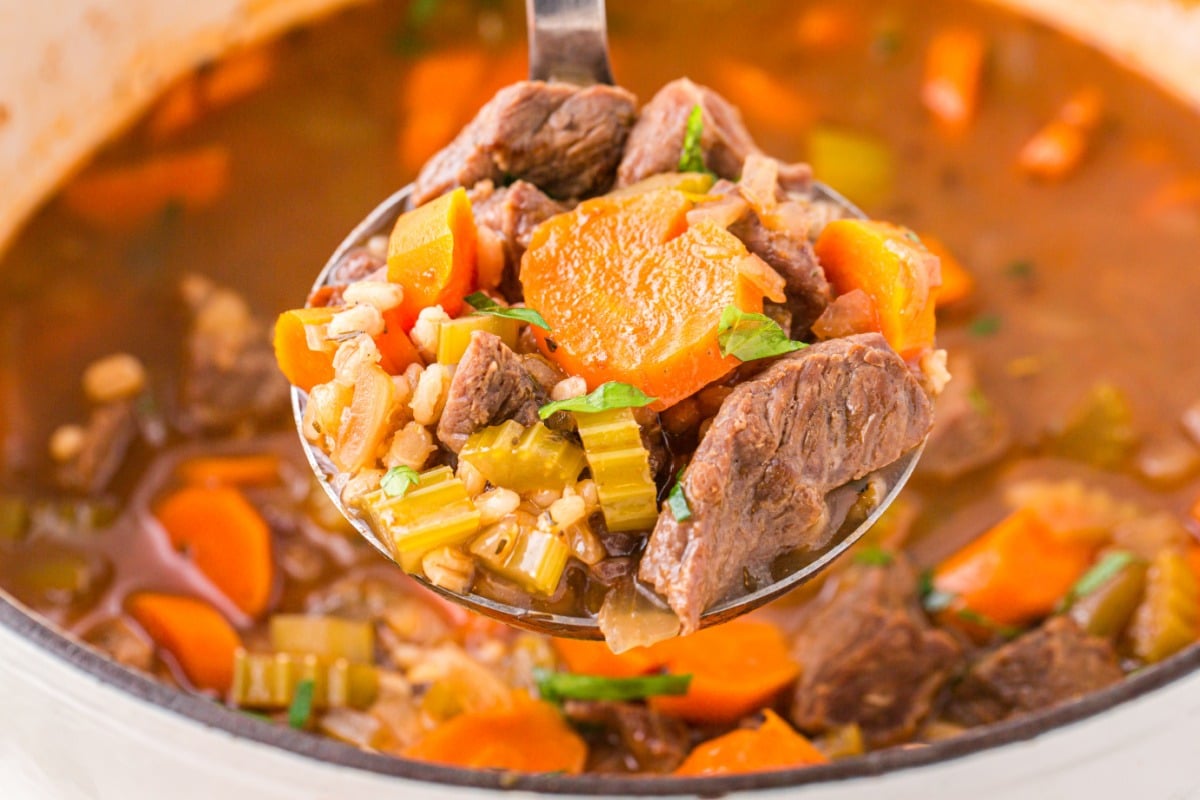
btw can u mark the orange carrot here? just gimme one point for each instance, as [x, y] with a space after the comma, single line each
[395, 347]
[230, 79]
[301, 365]
[256, 469]
[431, 253]
[1015, 573]
[762, 96]
[827, 26]
[736, 669]
[1194, 511]
[227, 540]
[1192, 554]
[433, 103]
[192, 631]
[894, 269]
[526, 736]
[1174, 196]
[594, 658]
[953, 74]
[632, 294]
[772, 745]
[957, 282]
[1058, 148]
[126, 197]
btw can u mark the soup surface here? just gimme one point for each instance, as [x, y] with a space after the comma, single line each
[162, 510]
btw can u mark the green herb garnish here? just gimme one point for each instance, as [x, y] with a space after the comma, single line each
[1100, 573]
[301, 708]
[983, 621]
[486, 305]
[691, 159]
[984, 325]
[677, 500]
[613, 394]
[1019, 269]
[398, 480]
[558, 686]
[747, 336]
[932, 599]
[874, 556]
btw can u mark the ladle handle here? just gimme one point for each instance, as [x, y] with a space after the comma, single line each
[568, 41]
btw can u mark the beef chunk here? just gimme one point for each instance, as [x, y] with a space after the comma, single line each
[790, 253]
[636, 738]
[650, 428]
[564, 139]
[969, 432]
[870, 657]
[656, 141]
[489, 386]
[1047, 666]
[512, 212]
[106, 439]
[812, 421]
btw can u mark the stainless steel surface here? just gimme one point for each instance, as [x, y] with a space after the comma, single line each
[379, 222]
[568, 41]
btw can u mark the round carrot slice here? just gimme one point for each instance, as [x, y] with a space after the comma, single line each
[633, 294]
[192, 631]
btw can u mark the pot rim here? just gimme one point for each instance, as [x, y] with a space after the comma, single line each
[216, 715]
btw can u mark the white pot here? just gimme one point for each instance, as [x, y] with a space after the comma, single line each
[76, 727]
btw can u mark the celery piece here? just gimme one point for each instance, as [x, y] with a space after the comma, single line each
[325, 637]
[524, 459]
[14, 519]
[1107, 609]
[1166, 621]
[455, 335]
[620, 466]
[531, 556]
[1099, 430]
[696, 183]
[436, 513]
[862, 167]
[270, 680]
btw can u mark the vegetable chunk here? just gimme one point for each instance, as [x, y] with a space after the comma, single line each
[772, 745]
[193, 632]
[432, 254]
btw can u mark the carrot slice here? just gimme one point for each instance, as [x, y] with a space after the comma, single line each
[526, 736]
[302, 366]
[736, 669]
[227, 540]
[433, 104]
[953, 74]
[257, 469]
[192, 631]
[772, 745]
[762, 96]
[123, 198]
[1058, 148]
[957, 283]
[891, 265]
[1016, 572]
[594, 658]
[632, 294]
[397, 350]
[230, 79]
[431, 253]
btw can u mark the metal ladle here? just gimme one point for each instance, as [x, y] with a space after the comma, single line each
[568, 42]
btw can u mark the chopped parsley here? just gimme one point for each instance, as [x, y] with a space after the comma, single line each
[691, 159]
[558, 686]
[874, 556]
[1100, 573]
[748, 336]
[677, 500]
[301, 708]
[1020, 269]
[398, 480]
[613, 394]
[984, 325]
[933, 599]
[486, 305]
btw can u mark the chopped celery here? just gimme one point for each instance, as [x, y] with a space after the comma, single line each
[530, 555]
[524, 459]
[1106, 610]
[688, 182]
[326, 637]
[1099, 430]
[14, 519]
[269, 680]
[455, 335]
[843, 741]
[620, 467]
[861, 167]
[1166, 620]
[436, 513]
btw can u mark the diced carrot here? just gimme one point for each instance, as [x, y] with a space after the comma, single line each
[595, 658]
[772, 745]
[431, 253]
[198, 637]
[736, 669]
[1176, 195]
[1058, 148]
[397, 350]
[828, 26]
[1192, 556]
[301, 365]
[632, 294]
[256, 469]
[957, 282]
[953, 74]
[227, 540]
[230, 79]
[526, 736]
[126, 197]
[1194, 511]
[1016, 572]
[762, 96]
[891, 265]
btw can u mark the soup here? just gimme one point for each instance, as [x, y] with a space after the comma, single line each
[1070, 432]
